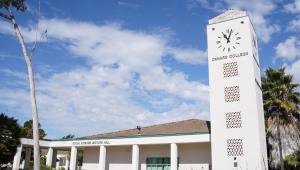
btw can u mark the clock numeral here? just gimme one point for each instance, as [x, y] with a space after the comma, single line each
[220, 46]
[227, 30]
[224, 49]
[233, 47]
[218, 42]
[237, 43]
[236, 33]
[238, 38]
[229, 49]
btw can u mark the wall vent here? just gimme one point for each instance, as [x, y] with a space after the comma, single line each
[232, 94]
[233, 120]
[235, 147]
[230, 69]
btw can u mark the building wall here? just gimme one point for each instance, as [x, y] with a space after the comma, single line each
[118, 158]
[152, 151]
[237, 124]
[90, 158]
[191, 156]
[194, 156]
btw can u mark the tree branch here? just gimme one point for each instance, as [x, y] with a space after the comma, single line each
[36, 43]
[9, 17]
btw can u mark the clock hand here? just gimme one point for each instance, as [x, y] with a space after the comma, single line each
[228, 40]
[225, 36]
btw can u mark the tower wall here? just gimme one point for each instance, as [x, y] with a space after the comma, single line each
[237, 118]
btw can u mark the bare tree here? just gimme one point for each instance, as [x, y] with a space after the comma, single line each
[19, 5]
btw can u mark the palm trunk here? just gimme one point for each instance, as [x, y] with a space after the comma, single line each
[35, 121]
[280, 146]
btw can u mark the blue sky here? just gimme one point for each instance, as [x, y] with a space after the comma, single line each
[114, 64]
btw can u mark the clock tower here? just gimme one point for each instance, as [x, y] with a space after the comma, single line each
[238, 137]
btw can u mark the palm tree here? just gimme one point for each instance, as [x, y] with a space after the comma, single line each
[281, 106]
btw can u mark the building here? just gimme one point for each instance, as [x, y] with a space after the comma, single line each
[183, 144]
[238, 130]
[237, 136]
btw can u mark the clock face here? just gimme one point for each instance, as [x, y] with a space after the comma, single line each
[228, 40]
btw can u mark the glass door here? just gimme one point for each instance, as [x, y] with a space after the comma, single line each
[158, 163]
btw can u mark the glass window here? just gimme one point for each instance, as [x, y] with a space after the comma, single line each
[158, 163]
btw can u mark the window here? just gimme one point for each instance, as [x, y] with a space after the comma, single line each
[158, 163]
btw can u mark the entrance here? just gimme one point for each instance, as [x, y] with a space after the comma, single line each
[158, 163]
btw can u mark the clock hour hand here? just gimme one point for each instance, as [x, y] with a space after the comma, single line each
[225, 36]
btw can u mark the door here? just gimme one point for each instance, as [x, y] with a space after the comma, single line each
[158, 163]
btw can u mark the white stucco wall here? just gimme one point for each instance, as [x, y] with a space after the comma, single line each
[90, 158]
[237, 123]
[118, 158]
[194, 156]
[191, 156]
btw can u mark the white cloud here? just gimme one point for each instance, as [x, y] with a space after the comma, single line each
[102, 96]
[127, 4]
[17, 99]
[17, 79]
[18, 75]
[289, 49]
[174, 83]
[6, 27]
[30, 34]
[294, 70]
[293, 7]
[294, 25]
[189, 55]
[258, 10]
[217, 6]
[90, 43]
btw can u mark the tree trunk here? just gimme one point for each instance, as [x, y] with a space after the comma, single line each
[280, 146]
[35, 120]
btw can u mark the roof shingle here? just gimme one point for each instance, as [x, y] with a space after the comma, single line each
[179, 127]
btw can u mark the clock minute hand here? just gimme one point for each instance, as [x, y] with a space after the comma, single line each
[228, 40]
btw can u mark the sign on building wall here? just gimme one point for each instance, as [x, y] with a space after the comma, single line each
[90, 142]
[237, 119]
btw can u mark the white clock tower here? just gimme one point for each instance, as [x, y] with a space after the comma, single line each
[237, 118]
